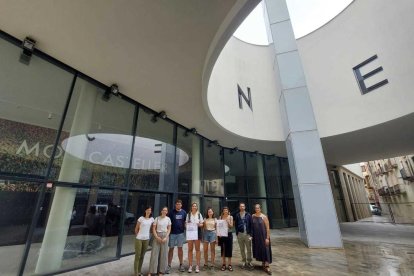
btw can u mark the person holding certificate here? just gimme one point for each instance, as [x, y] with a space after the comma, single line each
[194, 223]
[224, 223]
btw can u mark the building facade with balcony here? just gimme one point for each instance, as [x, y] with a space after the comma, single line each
[390, 183]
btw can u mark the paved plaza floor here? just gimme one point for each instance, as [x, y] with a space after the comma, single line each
[369, 249]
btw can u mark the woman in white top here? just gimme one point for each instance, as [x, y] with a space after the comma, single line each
[210, 237]
[142, 232]
[194, 216]
[226, 243]
[161, 229]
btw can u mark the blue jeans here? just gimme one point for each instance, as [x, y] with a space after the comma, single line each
[176, 240]
[209, 236]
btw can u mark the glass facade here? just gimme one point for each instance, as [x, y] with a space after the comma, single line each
[78, 168]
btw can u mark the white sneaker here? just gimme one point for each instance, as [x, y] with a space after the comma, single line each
[168, 270]
[190, 269]
[182, 269]
[197, 270]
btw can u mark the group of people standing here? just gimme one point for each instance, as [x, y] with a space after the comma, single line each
[168, 232]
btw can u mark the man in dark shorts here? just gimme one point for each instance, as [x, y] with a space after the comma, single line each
[177, 236]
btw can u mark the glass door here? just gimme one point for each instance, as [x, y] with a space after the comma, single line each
[214, 202]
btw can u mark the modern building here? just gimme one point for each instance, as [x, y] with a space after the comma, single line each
[350, 196]
[123, 104]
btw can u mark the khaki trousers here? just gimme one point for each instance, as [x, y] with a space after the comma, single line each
[245, 245]
[141, 247]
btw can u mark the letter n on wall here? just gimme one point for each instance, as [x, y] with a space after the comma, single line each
[247, 99]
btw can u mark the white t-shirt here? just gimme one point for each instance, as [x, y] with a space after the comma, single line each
[197, 218]
[162, 223]
[144, 228]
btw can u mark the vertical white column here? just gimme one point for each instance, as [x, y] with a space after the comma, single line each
[260, 176]
[354, 198]
[351, 196]
[166, 180]
[195, 169]
[54, 240]
[365, 199]
[347, 196]
[359, 198]
[315, 207]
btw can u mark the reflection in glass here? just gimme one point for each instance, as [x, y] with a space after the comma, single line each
[276, 217]
[91, 128]
[273, 176]
[233, 204]
[286, 180]
[234, 174]
[255, 175]
[95, 148]
[157, 172]
[32, 99]
[137, 202]
[292, 213]
[211, 202]
[186, 202]
[213, 170]
[91, 235]
[188, 146]
[262, 202]
[17, 205]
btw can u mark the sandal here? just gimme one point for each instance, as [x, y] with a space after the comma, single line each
[230, 268]
[267, 270]
[223, 267]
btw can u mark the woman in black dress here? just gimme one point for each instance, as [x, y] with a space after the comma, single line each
[226, 243]
[261, 238]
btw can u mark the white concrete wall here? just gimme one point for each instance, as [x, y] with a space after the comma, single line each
[355, 168]
[365, 28]
[249, 66]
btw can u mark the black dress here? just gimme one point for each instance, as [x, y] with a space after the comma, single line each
[261, 252]
[226, 243]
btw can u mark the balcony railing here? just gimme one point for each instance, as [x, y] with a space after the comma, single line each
[383, 191]
[406, 175]
[387, 167]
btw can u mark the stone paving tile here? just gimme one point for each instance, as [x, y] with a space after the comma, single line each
[361, 255]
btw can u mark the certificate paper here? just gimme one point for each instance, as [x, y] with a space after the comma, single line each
[192, 231]
[222, 228]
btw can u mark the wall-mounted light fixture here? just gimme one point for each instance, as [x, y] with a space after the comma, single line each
[235, 149]
[28, 46]
[192, 130]
[111, 90]
[214, 142]
[160, 114]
